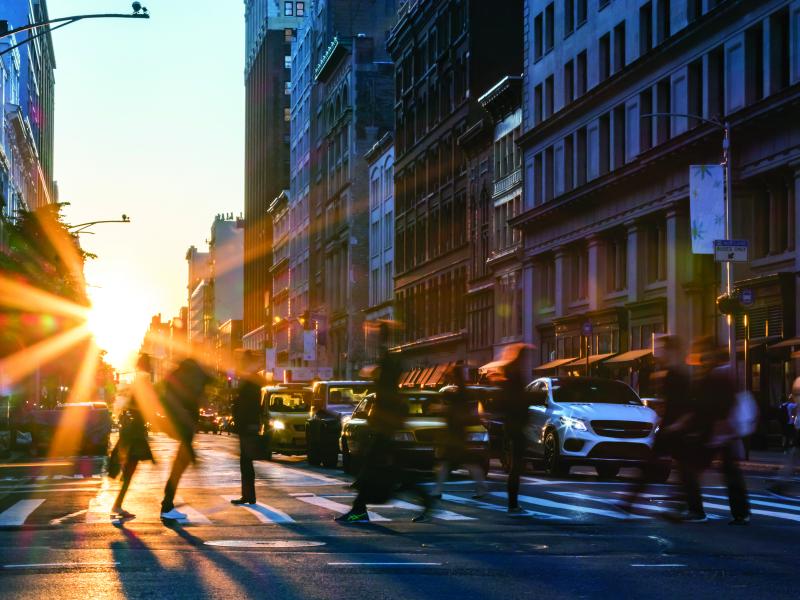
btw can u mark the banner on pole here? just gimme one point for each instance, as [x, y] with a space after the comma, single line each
[706, 206]
[309, 344]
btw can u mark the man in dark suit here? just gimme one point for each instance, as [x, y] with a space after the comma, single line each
[246, 411]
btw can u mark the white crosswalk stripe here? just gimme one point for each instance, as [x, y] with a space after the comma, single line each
[264, 512]
[758, 502]
[496, 507]
[17, 514]
[331, 505]
[569, 507]
[616, 502]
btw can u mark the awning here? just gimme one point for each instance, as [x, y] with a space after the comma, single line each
[795, 341]
[593, 359]
[629, 357]
[436, 378]
[554, 364]
[426, 373]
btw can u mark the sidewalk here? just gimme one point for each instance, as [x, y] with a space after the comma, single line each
[764, 460]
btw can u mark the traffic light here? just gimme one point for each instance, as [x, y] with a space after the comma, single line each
[730, 304]
[305, 319]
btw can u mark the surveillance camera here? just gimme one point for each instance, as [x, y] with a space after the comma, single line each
[137, 6]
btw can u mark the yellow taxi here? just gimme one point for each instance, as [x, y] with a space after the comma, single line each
[284, 412]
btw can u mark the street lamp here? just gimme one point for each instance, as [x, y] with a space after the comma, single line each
[725, 127]
[139, 12]
[79, 228]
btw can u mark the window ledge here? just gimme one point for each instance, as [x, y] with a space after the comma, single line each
[617, 295]
[655, 286]
[772, 259]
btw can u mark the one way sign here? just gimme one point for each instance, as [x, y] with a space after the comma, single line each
[730, 250]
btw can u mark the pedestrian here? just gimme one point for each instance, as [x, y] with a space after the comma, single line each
[675, 391]
[246, 411]
[716, 398]
[183, 392]
[460, 413]
[380, 477]
[514, 409]
[791, 462]
[132, 445]
[788, 414]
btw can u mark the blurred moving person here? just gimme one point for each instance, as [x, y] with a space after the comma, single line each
[675, 391]
[184, 390]
[246, 414]
[783, 480]
[460, 413]
[788, 415]
[132, 445]
[380, 477]
[514, 410]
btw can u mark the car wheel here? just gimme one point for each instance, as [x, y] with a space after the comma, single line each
[347, 459]
[553, 464]
[607, 471]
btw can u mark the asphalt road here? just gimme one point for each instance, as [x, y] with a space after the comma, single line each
[58, 541]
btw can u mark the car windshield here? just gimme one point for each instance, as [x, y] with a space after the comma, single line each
[288, 402]
[350, 394]
[593, 392]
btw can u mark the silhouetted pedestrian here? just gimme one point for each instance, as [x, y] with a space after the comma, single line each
[184, 389]
[460, 414]
[132, 445]
[246, 414]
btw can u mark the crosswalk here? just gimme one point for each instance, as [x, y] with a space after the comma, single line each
[287, 506]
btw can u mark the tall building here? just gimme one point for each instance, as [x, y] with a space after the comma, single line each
[278, 354]
[270, 30]
[380, 160]
[446, 53]
[226, 263]
[607, 232]
[199, 307]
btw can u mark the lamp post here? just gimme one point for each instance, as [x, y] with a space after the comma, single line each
[80, 227]
[139, 12]
[725, 127]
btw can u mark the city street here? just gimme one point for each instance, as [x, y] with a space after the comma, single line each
[57, 539]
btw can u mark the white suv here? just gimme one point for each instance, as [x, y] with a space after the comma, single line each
[590, 421]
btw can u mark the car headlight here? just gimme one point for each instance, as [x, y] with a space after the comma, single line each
[403, 436]
[277, 425]
[576, 424]
[478, 436]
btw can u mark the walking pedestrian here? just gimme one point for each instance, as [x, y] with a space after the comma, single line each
[788, 414]
[380, 477]
[184, 390]
[675, 391]
[514, 410]
[716, 400]
[246, 414]
[132, 446]
[460, 414]
[791, 462]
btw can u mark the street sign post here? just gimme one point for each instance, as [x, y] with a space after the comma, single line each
[586, 330]
[747, 297]
[730, 250]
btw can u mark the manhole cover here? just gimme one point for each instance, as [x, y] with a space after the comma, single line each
[264, 543]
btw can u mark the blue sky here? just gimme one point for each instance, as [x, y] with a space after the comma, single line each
[149, 122]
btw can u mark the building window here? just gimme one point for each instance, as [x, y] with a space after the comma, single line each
[579, 275]
[537, 104]
[581, 79]
[288, 9]
[604, 151]
[656, 252]
[580, 158]
[549, 26]
[778, 57]
[619, 136]
[604, 57]
[287, 62]
[616, 264]
[547, 283]
[537, 178]
[715, 82]
[645, 28]
[663, 105]
[288, 35]
[549, 174]
[287, 114]
[619, 47]
[549, 102]
[645, 123]
[694, 84]
[569, 17]
[569, 82]
[663, 15]
[580, 15]
[754, 63]
[538, 42]
[694, 10]
[300, 9]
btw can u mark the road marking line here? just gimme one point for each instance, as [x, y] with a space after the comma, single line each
[658, 565]
[384, 564]
[192, 515]
[63, 564]
[17, 513]
[571, 507]
[498, 508]
[758, 502]
[264, 512]
[336, 507]
[766, 513]
[444, 515]
[60, 520]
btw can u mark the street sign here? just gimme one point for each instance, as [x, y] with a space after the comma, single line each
[730, 250]
[747, 297]
[586, 330]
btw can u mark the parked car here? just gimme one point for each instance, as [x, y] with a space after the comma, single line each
[89, 425]
[331, 401]
[589, 421]
[417, 441]
[284, 412]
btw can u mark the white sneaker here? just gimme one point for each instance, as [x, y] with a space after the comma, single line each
[174, 514]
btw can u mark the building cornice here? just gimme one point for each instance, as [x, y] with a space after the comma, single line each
[335, 52]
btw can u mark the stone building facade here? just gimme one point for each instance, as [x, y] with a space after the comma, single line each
[607, 236]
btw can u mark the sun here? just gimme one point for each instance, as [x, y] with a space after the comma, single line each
[118, 320]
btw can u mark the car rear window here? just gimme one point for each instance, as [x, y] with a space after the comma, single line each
[348, 394]
[593, 392]
[288, 402]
